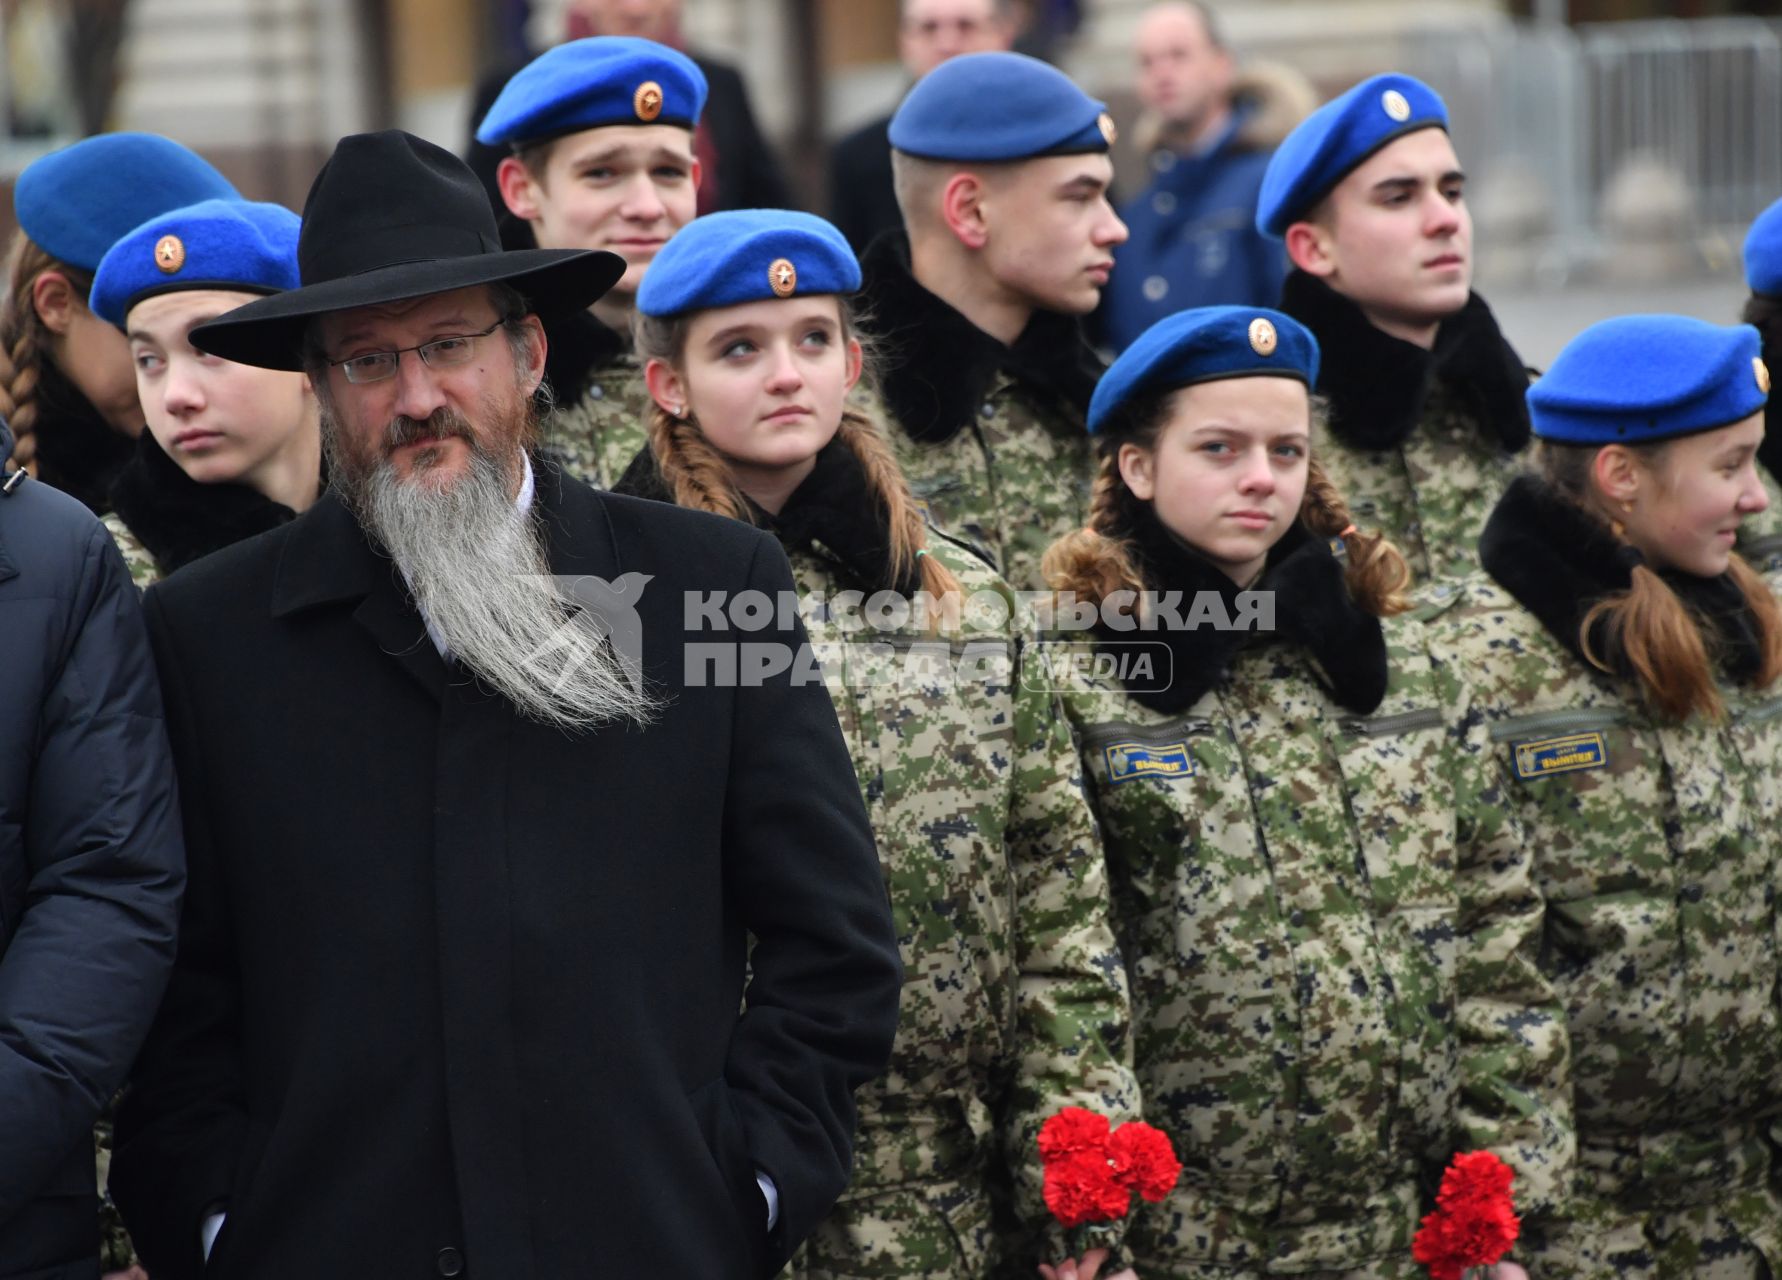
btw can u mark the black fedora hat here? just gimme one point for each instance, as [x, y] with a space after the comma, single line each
[392, 217]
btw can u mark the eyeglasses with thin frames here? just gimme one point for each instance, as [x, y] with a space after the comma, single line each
[441, 353]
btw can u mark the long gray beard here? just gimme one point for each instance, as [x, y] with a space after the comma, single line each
[478, 572]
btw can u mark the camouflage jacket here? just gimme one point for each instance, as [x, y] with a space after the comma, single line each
[1331, 936]
[601, 417]
[991, 437]
[1420, 442]
[1014, 1001]
[136, 556]
[1656, 849]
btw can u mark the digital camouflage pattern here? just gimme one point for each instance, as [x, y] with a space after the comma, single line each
[1011, 483]
[1332, 942]
[137, 559]
[595, 433]
[116, 1253]
[1656, 849]
[1432, 493]
[1014, 1001]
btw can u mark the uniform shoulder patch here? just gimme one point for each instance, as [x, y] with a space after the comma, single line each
[1129, 760]
[1574, 751]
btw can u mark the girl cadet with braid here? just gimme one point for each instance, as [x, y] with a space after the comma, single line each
[1014, 1002]
[67, 389]
[1625, 661]
[1325, 911]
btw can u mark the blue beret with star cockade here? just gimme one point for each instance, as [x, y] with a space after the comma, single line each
[217, 244]
[1331, 142]
[1205, 344]
[1637, 379]
[597, 81]
[995, 107]
[1763, 252]
[747, 255]
[75, 203]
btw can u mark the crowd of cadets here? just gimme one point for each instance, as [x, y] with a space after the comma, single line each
[1475, 848]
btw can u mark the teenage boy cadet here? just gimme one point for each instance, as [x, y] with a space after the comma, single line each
[1427, 407]
[1426, 395]
[1001, 168]
[601, 132]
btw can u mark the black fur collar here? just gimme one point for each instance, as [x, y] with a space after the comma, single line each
[1313, 609]
[936, 365]
[575, 346]
[180, 520]
[1378, 384]
[1558, 561]
[77, 450]
[832, 506]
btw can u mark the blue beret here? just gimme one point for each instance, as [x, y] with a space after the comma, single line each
[76, 202]
[1763, 252]
[218, 244]
[1206, 344]
[747, 255]
[1328, 144]
[999, 106]
[598, 81]
[1635, 379]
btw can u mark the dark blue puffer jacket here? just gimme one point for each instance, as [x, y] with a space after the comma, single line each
[92, 865]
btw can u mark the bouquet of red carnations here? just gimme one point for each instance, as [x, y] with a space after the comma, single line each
[1093, 1170]
[1474, 1223]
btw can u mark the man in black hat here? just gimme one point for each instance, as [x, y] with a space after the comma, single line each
[483, 810]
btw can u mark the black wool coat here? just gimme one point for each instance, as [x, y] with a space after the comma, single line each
[91, 866]
[862, 191]
[457, 993]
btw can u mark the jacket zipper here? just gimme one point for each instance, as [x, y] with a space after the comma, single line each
[1560, 721]
[1387, 726]
[1149, 735]
[957, 646]
[1763, 713]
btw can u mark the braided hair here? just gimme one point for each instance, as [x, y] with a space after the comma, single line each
[698, 476]
[25, 342]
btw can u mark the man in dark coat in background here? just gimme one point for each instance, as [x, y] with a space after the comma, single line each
[91, 865]
[862, 198]
[487, 790]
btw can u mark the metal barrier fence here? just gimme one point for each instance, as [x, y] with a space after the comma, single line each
[1551, 119]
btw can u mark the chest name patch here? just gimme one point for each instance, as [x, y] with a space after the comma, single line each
[1129, 760]
[1561, 755]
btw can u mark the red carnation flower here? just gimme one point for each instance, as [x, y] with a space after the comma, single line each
[1475, 1176]
[1072, 1130]
[1433, 1248]
[1080, 1189]
[1144, 1160]
[1474, 1223]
